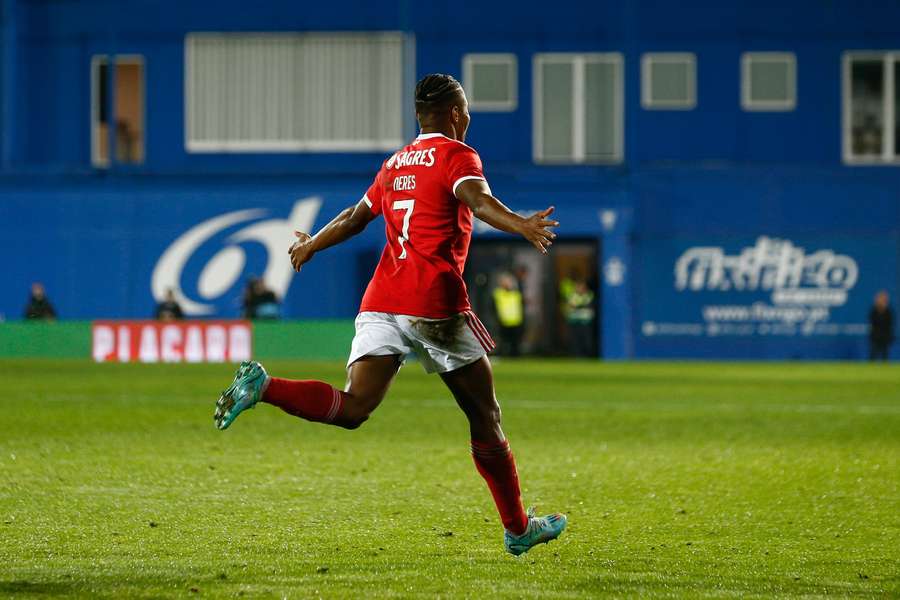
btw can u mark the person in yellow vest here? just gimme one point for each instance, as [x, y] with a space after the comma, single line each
[566, 288]
[510, 311]
[580, 318]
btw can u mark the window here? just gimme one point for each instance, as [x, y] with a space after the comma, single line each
[578, 108]
[871, 82]
[282, 92]
[669, 81]
[117, 120]
[768, 81]
[490, 81]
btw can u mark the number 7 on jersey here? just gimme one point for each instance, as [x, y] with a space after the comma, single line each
[408, 206]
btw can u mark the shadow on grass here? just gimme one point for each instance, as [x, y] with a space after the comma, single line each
[648, 584]
[35, 588]
[119, 586]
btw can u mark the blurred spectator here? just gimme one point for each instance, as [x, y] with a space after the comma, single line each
[566, 287]
[521, 275]
[881, 327]
[579, 311]
[38, 306]
[259, 301]
[169, 309]
[125, 142]
[531, 317]
[867, 138]
[510, 310]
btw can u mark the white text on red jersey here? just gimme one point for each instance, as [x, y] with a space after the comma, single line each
[421, 158]
[404, 183]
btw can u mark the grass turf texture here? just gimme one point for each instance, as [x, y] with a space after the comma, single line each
[678, 479]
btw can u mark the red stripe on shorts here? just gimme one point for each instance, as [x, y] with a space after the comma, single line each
[476, 334]
[484, 330]
[479, 331]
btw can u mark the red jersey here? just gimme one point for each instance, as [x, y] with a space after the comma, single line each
[428, 229]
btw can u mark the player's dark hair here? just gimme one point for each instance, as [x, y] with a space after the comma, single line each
[436, 91]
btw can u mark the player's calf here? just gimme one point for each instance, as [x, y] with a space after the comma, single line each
[484, 422]
[320, 402]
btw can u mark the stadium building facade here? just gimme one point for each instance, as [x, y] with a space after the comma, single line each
[736, 165]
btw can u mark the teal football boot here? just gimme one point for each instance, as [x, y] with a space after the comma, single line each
[250, 382]
[540, 530]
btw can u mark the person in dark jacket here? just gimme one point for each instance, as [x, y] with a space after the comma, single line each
[169, 309]
[259, 301]
[881, 327]
[38, 307]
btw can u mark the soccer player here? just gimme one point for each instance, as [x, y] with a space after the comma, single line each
[427, 193]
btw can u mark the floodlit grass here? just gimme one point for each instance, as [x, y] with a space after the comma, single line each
[695, 479]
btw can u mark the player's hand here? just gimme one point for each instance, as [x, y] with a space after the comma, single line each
[301, 250]
[535, 230]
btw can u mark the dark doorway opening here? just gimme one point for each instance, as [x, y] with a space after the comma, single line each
[560, 294]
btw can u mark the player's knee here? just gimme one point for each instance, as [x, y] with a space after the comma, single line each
[352, 419]
[496, 414]
[353, 422]
[355, 414]
[490, 415]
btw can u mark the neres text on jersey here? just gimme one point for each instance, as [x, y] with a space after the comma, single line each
[404, 183]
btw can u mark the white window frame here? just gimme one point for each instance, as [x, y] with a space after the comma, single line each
[888, 156]
[747, 101]
[295, 146]
[647, 61]
[111, 61]
[578, 61]
[508, 59]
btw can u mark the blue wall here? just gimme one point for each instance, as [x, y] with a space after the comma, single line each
[715, 175]
[57, 40]
[95, 247]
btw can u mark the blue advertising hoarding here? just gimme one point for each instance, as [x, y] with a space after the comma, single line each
[112, 252]
[115, 255]
[104, 253]
[806, 296]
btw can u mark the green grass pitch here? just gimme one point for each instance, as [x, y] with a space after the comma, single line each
[680, 480]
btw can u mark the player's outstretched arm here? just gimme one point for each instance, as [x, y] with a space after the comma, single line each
[348, 223]
[477, 194]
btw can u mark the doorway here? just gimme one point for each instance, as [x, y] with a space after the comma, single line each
[550, 288]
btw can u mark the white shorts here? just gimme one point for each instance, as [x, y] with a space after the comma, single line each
[441, 345]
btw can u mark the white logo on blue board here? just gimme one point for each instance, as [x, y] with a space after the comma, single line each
[821, 278]
[227, 265]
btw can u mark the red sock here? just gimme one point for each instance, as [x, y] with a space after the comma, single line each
[496, 464]
[310, 400]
